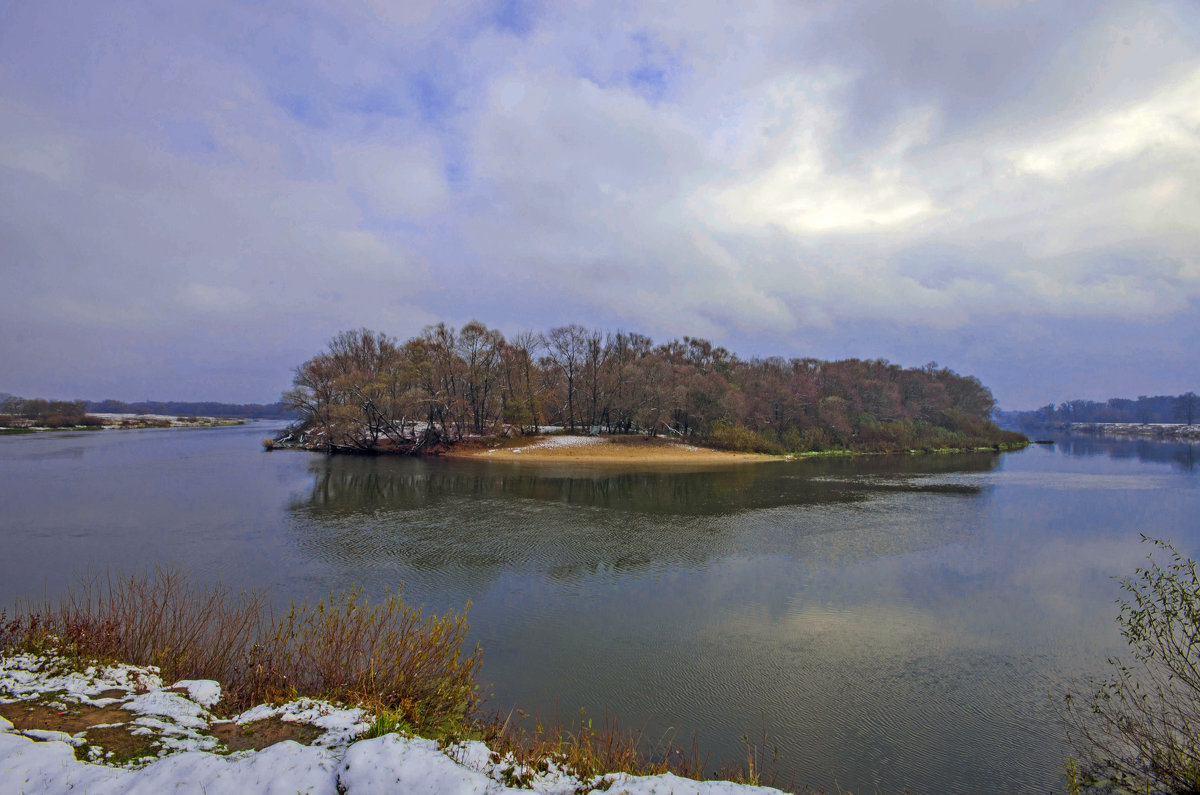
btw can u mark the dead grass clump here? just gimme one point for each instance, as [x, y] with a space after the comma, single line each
[589, 751]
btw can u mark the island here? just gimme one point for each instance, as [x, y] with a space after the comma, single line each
[471, 391]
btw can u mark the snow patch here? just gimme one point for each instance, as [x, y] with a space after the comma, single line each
[341, 725]
[178, 723]
[204, 692]
[26, 676]
[558, 443]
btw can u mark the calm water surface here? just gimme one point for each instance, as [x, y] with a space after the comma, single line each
[888, 623]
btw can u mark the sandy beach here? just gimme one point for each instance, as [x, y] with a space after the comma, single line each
[606, 450]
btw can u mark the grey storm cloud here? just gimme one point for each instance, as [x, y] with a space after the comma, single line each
[193, 199]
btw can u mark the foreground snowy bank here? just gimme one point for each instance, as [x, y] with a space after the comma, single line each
[189, 755]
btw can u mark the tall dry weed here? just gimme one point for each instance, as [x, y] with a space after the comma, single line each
[388, 655]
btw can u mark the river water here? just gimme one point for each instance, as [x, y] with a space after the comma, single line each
[886, 623]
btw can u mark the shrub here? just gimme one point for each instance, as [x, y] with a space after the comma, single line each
[387, 655]
[793, 441]
[1139, 730]
[816, 439]
[729, 436]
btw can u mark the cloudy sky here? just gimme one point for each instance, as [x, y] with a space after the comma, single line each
[195, 196]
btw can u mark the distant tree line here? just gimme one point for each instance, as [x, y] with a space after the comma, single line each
[368, 391]
[1159, 408]
[69, 413]
[46, 413]
[178, 408]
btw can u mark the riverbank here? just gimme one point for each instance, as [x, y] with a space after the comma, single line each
[108, 422]
[117, 728]
[624, 449]
[602, 450]
[326, 697]
[1151, 430]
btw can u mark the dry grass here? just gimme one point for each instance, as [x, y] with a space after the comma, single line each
[406, 667]
[158, 618]
[387, 655]
[589, 750]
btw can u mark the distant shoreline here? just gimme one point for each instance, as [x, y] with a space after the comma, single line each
[111, 422]
[1154, 430]
[622, 449]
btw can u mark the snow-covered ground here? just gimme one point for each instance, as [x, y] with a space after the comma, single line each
[105, 415]
[1166, 430]
[115, 420]
[190, 759]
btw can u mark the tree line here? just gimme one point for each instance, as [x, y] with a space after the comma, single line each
[71, 413]
[370, 392]
[49, 413]
[1145, 409]
[205, 408]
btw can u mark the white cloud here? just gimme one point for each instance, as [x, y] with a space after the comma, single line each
[807, 169]
[785, 176]
[1166, 125]
[403, 180]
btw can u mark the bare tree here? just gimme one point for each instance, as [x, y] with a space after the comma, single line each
[479, 349]
[523, 386]
[567, 347]
[1187, 406]
[595, 374]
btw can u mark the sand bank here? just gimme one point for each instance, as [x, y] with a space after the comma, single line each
[605, 450]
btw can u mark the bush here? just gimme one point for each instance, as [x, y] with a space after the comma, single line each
[1139, 730]
[816, 439]
[388, 656]
[739, 438]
